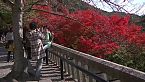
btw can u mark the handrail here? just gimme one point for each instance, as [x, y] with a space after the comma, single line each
[78, 67]
[112, 70]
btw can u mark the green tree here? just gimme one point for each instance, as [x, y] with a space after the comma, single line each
[142, 22]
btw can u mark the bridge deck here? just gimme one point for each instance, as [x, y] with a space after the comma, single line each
[49, 73]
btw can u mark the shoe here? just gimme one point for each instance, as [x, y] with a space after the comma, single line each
[8, 61]
[37, 78]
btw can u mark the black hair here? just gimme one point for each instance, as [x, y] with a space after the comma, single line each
[44, 26]
[10, 29]
[33, 25]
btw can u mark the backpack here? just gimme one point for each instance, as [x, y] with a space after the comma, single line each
[49, 38]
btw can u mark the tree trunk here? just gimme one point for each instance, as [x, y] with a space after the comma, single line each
[19, 70]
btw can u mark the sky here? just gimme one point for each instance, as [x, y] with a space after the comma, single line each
[131, 6]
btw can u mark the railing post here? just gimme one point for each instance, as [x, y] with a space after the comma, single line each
[68, 66]
[64, 63]
[61, 69]
[77, 71]
[58, 60]
[92, 69]
[72, 69]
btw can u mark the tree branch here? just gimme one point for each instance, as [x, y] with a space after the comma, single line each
[8, 2]
[59, 14]
[31, 6]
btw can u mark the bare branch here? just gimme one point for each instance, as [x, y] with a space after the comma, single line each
[118, 7]
[139, 8]
[8, 2]
[30, 6]
[58, 14]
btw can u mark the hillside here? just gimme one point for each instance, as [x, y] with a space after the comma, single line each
[134, 18]
[81, 5]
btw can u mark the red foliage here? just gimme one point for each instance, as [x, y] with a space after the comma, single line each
[98, 35]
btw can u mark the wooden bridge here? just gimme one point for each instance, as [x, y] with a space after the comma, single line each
[68, 65]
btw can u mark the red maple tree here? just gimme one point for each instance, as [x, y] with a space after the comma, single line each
[92, 32]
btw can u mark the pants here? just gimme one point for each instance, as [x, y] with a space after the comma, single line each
[9, 56]
[39, 67]
[28, 49]
[46, 58]
[36, 72]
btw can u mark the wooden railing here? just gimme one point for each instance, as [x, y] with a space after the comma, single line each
[86, 68]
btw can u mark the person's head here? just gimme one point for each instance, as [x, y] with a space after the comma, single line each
[45, 28]
[33, 25]
[10, 29]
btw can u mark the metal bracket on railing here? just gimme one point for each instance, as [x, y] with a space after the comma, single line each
[113, 80]
[70, 58]
[98, 73]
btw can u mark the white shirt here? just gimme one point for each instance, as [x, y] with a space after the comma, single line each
[9, 36]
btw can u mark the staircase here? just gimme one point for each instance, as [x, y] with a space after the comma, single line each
[50, 71]
[68, 65]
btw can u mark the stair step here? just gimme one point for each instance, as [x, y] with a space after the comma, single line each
[52, 71]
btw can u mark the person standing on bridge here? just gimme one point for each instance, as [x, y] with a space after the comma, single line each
[9, 44]
[37, 51]
[26, 42]
[47, 41]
